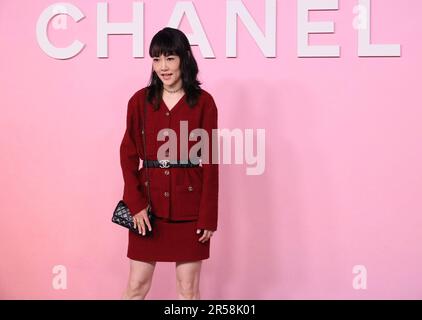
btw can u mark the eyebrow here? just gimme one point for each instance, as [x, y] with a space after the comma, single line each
[170, 55]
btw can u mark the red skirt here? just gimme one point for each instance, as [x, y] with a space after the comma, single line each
[170, 241]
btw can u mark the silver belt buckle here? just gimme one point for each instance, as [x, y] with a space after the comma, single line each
[164, 163]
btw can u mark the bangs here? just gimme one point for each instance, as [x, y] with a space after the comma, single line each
[163, 45]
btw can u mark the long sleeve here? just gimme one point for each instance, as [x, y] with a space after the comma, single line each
[133, 196]
[208, 210]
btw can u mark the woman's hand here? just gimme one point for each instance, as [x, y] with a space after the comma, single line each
[205, 236]
[139, 221]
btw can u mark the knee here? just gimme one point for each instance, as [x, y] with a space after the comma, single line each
[188, 290]
[137, 289]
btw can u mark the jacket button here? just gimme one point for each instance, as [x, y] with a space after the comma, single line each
[190, 188]
[142, 131]
[146, 183]
[166, 172]
[167, 113]
[166, 194]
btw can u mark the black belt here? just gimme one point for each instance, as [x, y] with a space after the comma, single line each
[168, 164]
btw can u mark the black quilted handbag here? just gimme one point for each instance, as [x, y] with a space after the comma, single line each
[122, 215]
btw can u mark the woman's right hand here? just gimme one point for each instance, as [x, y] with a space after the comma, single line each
[139, 221]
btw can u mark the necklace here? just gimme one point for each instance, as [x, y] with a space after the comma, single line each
[173, 91]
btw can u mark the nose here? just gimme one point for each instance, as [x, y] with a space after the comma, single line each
[163, 64]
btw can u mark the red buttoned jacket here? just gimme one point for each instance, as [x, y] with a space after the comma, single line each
[176, 193]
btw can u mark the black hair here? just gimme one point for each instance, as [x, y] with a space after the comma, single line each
[170, 41]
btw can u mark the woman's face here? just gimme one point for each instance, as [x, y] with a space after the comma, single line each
[168, 70]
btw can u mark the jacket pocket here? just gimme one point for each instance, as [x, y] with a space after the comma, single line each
[155, 192]
[186, 201]
[142, 183]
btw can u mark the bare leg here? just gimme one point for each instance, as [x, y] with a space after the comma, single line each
[140, 279]
[187, 279]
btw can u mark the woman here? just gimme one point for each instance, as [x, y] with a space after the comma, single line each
[183, 193]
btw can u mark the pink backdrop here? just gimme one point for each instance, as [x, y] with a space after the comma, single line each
[342, 182]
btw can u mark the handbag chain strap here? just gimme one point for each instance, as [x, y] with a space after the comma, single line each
[145, 150]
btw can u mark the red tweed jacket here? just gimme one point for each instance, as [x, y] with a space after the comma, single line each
[176, 193]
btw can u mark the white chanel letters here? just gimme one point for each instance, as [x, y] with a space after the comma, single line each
[265, 40]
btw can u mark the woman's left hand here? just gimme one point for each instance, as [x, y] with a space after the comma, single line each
[205, 236]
